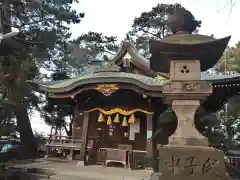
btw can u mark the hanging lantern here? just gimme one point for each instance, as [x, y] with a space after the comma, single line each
[100, 118]
[109, 120]
[124, 122]
[132, 119]
[116, 119]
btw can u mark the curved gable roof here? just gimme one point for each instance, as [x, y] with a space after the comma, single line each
[137, 59]
[113, 76]
[100, 77]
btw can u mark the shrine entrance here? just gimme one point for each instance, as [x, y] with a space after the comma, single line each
[114, 128]
[118, 136]
[117, 127]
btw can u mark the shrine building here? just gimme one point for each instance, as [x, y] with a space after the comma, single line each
[116, 106]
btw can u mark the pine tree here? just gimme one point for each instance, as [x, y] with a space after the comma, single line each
[41, 43]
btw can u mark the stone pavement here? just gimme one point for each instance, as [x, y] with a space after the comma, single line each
[70, 171]
[73, 172]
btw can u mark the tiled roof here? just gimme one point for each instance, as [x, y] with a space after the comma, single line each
[119, 77]
[101, 77]
[220, 77]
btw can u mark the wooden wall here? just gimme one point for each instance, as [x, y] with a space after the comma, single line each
[78, 126]
[108, 141]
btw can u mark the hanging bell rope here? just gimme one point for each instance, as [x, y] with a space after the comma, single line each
[109, 120]
[119, 110]
[124, 122]
[132, 119]
[116, 119]
[100, 118]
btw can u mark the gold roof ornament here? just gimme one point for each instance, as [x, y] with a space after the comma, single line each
[100, 118]
[124, 122]
[109, 120]
[107, 89]
[132, 119]
[116, 119]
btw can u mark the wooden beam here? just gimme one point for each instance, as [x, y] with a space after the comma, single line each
[84, 137]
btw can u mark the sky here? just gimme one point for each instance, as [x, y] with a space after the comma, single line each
[115, 17]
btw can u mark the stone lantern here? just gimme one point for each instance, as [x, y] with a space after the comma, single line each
[183, 56]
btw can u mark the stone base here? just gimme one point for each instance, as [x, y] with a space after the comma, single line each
[191, 163]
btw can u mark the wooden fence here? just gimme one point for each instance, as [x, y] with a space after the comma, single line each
[130, 158]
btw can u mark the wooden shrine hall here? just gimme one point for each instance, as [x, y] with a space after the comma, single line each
[117, 106]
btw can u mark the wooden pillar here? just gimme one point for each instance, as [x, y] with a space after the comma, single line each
[149, 135]
[75, 118]
[84, 136]
[154, 141]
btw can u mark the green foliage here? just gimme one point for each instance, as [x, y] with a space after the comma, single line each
[41, 43]
[221, 129]
[154, 23]
[230, 61]
[206, 123]
[88, 47]
[55, 114]
[231, 124]
[151, 25]
[233, 172]
[146, 162]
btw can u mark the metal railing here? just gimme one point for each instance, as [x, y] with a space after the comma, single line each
[234, 161]
[101, 156]
[133, 157]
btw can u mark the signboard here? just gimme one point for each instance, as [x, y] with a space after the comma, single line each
[149, 134]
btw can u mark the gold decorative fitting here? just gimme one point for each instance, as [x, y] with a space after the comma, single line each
[100, 118]
[109, 120]
[116, 119]
[124, 122]
[119, 110]
[107, 89]
[132, 119]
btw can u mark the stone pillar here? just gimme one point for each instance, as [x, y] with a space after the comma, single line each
[187, 156]
[184, 92]
[186, 133]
